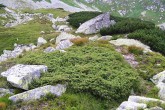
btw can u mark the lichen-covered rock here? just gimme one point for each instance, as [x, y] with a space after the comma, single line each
[64, 36]
[94, 25]
[37, 93]
[94, 38]
[41, 41]
[22, 75]
[130, 42]
[64, 44]
[4, 92]
[128, 105]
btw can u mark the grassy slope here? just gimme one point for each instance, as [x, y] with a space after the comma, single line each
[28, 33]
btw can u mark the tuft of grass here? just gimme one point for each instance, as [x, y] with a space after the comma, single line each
[80, 41]
[135, 50]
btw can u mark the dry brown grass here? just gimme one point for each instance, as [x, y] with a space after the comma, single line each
[80, 41]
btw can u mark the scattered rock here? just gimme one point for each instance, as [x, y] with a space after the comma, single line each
[128, 105]
[105, 38]
[54, 27]
[63, 28]
[130, 42]
[49, 49]
[160, 77]
[37, 93]
[22, 75]
[94, 38]
[64, 36]
[162, 26]
[41, 41]
[131, 60]
[64, 44]
[18, 50]
[94, 25]
[4, 92]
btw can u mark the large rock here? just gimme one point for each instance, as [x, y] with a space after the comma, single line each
[130, 42]
[22, 75]
[41, 41]
[37, 93]
[128, 105]
[64, 36]
[94, 25]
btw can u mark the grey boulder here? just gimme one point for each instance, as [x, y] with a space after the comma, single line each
[22, 75]
[94, 25]
[41, 41]
[37, 93]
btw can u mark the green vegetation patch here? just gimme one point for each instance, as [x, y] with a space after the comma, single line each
[150, 64]
[95, 68]
[127, 25]
[153, 37]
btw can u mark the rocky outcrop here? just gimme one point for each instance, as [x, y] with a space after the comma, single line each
[130, 42]
[22, 75]
[18, 50]
[63, 28]
[37, 93]
[41, 41]
[94, 25]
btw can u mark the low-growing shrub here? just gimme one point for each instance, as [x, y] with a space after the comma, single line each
[2, 6]
[94, 68]
[153, 37]
[80, 41]
[135, 50]
[127, 26]
[153, 93]
[78, 18]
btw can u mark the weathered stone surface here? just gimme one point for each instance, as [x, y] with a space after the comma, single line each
[156, 108]
[140, 99]
[127, 105]
[105, 38]
[161, 86]
[64, 36]
[49, 49]
[18, 50]
[160, 77]
[94, 38]
[41, 41]
[63, 28]
[162, 26]
[64, 44]
[130, 42]
[94, 25]
[22, 75]
[4, 92]
[37, 93]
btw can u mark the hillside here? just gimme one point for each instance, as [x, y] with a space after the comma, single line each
[60, 57]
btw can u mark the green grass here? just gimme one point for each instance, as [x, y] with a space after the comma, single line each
[55, 12]
[25, 33]
[68, 101]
